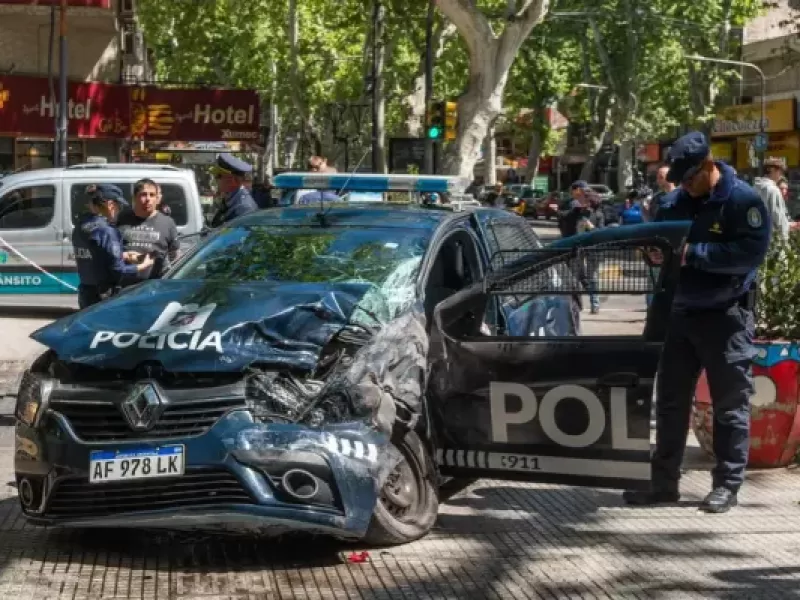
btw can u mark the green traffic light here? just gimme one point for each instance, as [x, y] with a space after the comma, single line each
[434, 132]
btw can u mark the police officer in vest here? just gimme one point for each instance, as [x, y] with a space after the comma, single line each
[711, 325]
[237, 201]
[98, 248]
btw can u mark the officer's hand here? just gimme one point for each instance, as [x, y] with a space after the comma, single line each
[131, 257]
[146, 263]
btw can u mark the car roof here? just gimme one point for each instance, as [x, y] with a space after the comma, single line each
[103, 171]
[354, 214]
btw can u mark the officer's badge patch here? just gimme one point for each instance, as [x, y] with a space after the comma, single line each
[715, 228]
[754, 218]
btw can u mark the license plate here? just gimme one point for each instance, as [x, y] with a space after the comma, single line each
[140, 463]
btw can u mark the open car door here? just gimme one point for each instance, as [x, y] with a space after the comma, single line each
[571, 410]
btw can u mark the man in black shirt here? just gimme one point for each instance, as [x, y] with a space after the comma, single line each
[147, 231]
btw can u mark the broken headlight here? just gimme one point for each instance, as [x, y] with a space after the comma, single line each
[283, 398]
[32, 399]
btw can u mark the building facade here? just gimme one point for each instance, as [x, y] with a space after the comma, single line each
[104, 45]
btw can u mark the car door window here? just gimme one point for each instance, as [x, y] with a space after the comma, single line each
[30, 207]
[174, 199]
[81, 192]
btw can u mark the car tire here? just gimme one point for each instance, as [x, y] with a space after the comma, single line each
[408, 504]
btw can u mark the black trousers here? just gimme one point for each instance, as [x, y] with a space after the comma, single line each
[92, 294]
[721, 342]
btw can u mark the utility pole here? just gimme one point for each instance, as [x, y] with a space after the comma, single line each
[762, 129]
[376, 17]
[428, 161]
[62, 100]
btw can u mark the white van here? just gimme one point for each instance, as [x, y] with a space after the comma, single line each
[38, 210]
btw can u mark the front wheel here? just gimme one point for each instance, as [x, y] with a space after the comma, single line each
[408, 503]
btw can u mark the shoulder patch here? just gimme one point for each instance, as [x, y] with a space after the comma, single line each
[754, 217]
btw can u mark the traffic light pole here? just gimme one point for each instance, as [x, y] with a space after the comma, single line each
[428, 85]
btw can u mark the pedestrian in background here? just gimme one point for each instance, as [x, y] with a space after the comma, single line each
[664, 188]
[147, 231]
[98, 250]
[231, 174]
[711, 325]
[767, 188]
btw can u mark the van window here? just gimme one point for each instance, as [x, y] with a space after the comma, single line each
[29, 207]
[174, 197]
[80, 194]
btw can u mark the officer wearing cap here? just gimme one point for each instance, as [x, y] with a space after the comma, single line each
[98, 248]
[237, 201]
[711, 325]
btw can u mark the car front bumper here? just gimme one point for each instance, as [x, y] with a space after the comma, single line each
[234, 479]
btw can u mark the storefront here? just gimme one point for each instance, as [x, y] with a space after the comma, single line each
[113, 121]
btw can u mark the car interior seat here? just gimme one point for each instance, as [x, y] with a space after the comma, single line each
[447, 276]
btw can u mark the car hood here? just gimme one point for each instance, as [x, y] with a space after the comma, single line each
[197, 326]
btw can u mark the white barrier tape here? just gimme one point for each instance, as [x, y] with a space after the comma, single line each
[7, 246]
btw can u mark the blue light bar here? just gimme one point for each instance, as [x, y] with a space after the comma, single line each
[367, 182]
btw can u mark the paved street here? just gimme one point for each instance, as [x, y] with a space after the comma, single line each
[494, 539]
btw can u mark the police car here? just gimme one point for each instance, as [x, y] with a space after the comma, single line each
[323, 368]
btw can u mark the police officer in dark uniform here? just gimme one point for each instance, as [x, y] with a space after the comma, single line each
[711, 326]
[237, 201]
[98, 248]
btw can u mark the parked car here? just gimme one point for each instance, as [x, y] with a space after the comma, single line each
[39, 209]
[602, 190]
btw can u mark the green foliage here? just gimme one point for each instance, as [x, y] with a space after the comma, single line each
[777, 315]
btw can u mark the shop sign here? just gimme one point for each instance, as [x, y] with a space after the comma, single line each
[71, 3]
[194, 115]
[95, 110]
[785, 146]
[746, 118]
[722, 151]
[648, 153]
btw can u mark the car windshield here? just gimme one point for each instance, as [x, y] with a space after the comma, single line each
[389, 258]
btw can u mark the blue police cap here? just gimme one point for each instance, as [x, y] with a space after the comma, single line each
[686, 154]
[108, 191]
[579, 185]
[227, 163]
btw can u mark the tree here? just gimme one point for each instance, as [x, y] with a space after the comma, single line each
[490, 59]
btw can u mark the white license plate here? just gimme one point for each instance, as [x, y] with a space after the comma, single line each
[137, 463]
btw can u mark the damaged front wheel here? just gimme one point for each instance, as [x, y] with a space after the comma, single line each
[408, 503]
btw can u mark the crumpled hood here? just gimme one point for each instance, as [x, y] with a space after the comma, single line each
[201, 326]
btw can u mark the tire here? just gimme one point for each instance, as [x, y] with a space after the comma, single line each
[408, 504]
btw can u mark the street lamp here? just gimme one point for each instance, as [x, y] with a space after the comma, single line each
[738, 63]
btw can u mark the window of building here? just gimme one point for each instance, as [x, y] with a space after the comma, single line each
[6, 155]
[28, 207]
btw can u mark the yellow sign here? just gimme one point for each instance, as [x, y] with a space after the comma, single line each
[785, 146]
[5, 95]
[722, 151]
[745, 118]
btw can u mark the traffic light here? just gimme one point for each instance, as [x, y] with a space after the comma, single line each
[436, 119]
[450, 121]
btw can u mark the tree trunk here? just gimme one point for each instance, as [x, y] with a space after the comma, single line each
[415, 101]
[489, 159]
[593, 150]
[624, 165]
[380, 112]
[297, 80]
[534, 153]
[490, 59]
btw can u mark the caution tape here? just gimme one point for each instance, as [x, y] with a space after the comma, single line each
[14, 251]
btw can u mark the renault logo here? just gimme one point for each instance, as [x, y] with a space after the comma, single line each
[143, 406]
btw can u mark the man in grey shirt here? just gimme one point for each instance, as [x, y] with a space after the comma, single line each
[147, 231]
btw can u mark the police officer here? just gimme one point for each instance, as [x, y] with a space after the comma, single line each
[98, 248]
[237, 201]
[711, 325]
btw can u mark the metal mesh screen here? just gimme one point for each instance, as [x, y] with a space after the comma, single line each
[603, 269]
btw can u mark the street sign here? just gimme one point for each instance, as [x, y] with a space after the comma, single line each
[761, 142]
[541, 183]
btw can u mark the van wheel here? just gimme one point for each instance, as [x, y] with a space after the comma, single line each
[408, 503]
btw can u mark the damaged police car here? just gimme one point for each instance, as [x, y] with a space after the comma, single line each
[320, 368]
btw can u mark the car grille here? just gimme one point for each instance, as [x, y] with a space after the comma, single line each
[96, 420]
[76, 498]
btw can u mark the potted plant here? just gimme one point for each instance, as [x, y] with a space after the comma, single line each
[775, 406]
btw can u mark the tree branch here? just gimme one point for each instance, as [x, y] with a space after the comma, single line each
[472, 24]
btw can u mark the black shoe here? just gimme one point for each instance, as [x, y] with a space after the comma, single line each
[595, 311]
[720, 500]
[641, 498]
